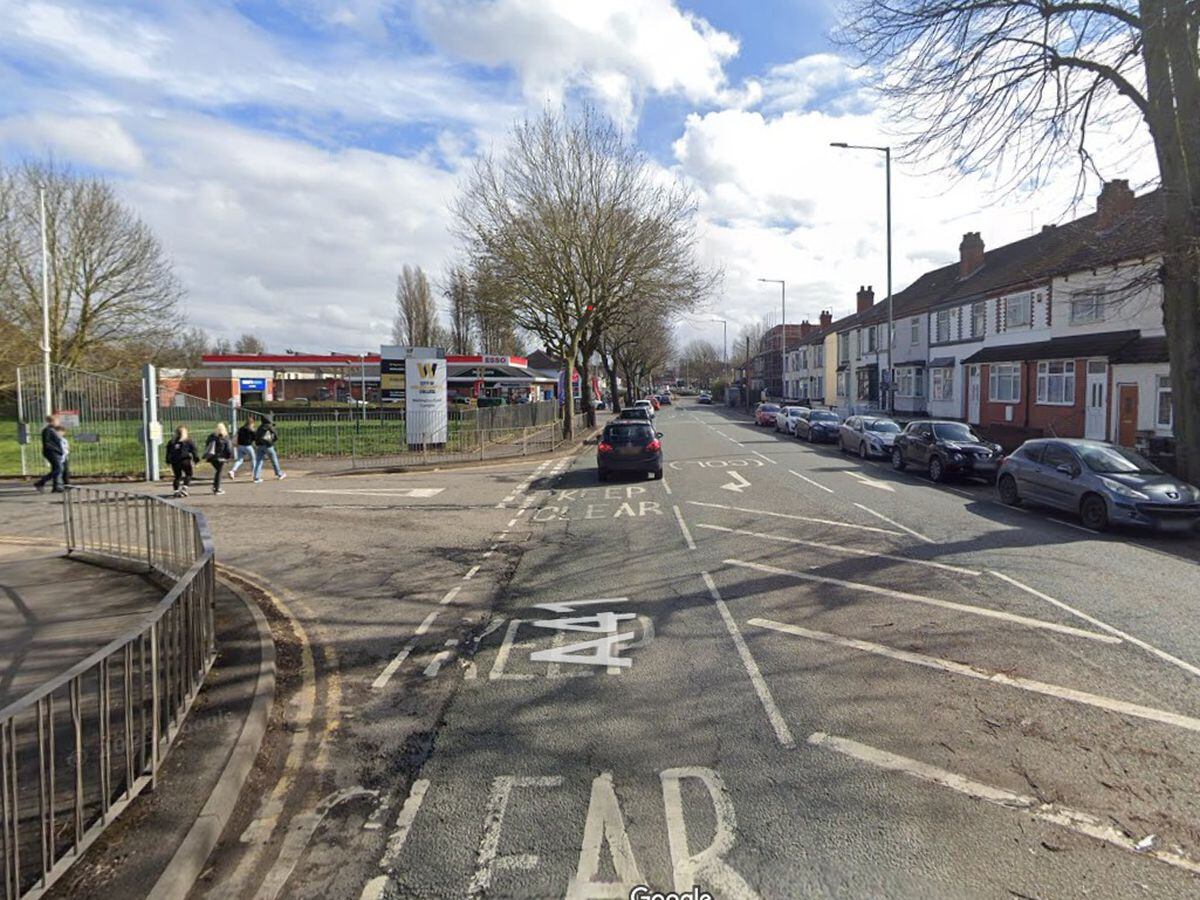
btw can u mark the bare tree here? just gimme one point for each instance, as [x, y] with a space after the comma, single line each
[111, 283]
[460, 300]
[492, 323]
[249, 344]
[1023, 85]
[416, 311]
[572, 225]
[701, 361]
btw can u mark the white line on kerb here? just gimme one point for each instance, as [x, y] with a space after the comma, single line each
[687, 535]
[931, 601]
[880, 515]
[1149, 648]
[779, 515]
[1071, 819]
[782, 732]
[1097, 701]
[810, 481]
[837, 548]
[773, 462]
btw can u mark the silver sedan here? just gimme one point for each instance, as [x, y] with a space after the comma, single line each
[868, 436]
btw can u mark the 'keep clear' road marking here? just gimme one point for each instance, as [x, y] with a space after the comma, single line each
[930, 601]
[779, 515]
[884, 518]
[810, 481]
[373, 492]
[1073, 820]
[1096, 701]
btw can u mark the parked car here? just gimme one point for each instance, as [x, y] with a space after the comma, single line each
[1102, 483]
[868, 436]
[629, 446]
[764, 414]
[648, 406]
[705, 398]
[636, 414]
[817, 426]
[664, 399]
[785, 419]
[944, 449]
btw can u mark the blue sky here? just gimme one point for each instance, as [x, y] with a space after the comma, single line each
[293, 154]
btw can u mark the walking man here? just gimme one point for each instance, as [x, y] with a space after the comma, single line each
[245, 446]
[264, 448]
[54, 449]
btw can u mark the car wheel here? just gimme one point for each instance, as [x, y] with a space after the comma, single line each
[657, 475]
[937, 471]
[1006, 487]
[1093, 512]
[842, 444]
[811, 439]
[898, 459]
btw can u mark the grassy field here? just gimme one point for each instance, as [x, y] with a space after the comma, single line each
[10, 450]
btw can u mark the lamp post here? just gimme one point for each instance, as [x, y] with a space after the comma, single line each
[783, 332]
[362, 382]
[887, 163]
[47, 399]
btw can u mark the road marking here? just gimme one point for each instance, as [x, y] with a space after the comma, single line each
[687, 535]
[450, 595]
[487, 862]
[837, 548]
[604, 824]
[738, 484]
[706, 867]
[1149, 648]
[1074, 525]
[390, 669]
[870, 482]
[1073, 820]
[961, 492]
[774, 716]
[511, 522]
[502, 655]
[880, 515]
[470, 573]
[372, 492]
[778, 515]
[931, 601]
[1097, 701]
[773, 462]
[404, 822]
[810, 481]
[435, 665]
[667, 487]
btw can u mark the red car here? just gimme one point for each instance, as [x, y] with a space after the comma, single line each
[654, 402]
[764, 414]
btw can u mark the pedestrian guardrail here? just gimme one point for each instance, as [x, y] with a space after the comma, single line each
[76, 751]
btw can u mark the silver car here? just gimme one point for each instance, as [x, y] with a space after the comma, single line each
[868, 436]
[1102, 483]
[785, 419]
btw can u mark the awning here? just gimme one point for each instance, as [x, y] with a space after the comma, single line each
[1077, 346]
[1144, 350]
[942, 362]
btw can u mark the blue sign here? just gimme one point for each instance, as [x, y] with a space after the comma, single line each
[252, 384]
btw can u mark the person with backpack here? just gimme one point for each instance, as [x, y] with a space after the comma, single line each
[245, 445]
[218, 450]
[264, 448]
[181, 453]
[54, 449]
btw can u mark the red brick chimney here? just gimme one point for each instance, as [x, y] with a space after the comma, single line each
[1114, 202]
[970, 254]
[866, 298]
[826, 318]
[806, 328]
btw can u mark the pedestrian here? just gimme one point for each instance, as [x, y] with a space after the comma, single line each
[54, 449]
[218, 450]
[245, 445]
[181, 453]
[265, 437]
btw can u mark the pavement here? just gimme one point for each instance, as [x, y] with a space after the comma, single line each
[778, 672]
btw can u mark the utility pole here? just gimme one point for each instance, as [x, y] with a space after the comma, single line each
[47, 399]
[362, 358]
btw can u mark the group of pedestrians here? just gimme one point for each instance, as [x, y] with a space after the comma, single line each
[57, 451]
[255, 443]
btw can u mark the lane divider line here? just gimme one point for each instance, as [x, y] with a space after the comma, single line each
[810, 481]
[793, 516]
[377, 887]
[687, 535]
[773, 462]
[390, 669]
[884, 518]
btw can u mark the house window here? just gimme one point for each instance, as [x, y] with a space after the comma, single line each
[1087, 308]
[820, 386]
[942, 324]
[820, 357]
[915, 332]
[864, 384]
[843, 349]
[1004, 383]
[978, 319]
[843, 384]
[858, 342]
[941, 384]
[1056, 383]
[1165, 406]
[1018, 311]
[871, 338]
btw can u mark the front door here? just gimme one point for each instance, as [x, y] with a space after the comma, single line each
[1095, 424]
[973, 381]
[1127, 428]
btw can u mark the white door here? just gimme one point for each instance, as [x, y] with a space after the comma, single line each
[973, 383]
[1097, 400]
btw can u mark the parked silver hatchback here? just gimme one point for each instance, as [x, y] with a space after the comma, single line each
[1104, 484]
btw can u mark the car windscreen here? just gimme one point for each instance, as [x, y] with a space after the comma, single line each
[1115, 460]
[638, 412]
[821, 415]
[953, 431]
[628, 434]
[882, 426]
[768, 407]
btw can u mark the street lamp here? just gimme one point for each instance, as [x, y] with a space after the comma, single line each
[783, 333]
[887, 158]
[362, 361]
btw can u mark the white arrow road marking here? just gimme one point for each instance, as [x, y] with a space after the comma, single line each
[738, 484]
[374, 492]
[871, 482]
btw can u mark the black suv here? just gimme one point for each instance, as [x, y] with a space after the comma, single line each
[944, 449]
[628, 445]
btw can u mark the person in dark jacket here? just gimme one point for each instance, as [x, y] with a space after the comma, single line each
[54, 449]
[264, 448]
[218, 450]
[245, 445]
[181, 453]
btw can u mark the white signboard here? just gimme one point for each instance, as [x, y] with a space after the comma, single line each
[426, 421]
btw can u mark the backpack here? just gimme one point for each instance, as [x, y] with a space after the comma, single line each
[265, 435]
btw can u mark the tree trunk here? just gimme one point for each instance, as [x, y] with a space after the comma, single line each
[568, 409]
[585, 392]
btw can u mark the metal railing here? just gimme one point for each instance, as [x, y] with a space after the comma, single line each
[77, 750]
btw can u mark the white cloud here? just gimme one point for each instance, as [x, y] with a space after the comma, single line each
[99, 141]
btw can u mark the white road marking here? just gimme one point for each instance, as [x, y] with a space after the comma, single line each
[773, 462]
[774, 716]
[390, 669]
[961, 492]
[404, 822]
[687, 535]
[1073, 820]
[436, 663]
[1074, 525]
[667, 487]
[931, 601]
[1149, 648]
[372, 492]
[708, 866]
[810, 481]
[487, 861]
[1097, 701]
[604, 823]
[503, 653]
[870, 482]
[470, 573]
[450, 595]
[837, 548]
[881, 516]
[778, 515]
[738, 484]
[511, 522]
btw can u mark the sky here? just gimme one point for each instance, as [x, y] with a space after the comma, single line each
[292, 155]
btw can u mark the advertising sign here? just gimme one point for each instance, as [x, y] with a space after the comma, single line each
[391, 374]
[252, 384]
[426, 420]
[68, 418]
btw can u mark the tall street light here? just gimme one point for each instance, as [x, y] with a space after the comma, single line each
[47, 398]
[783, 332]
[887, 157]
